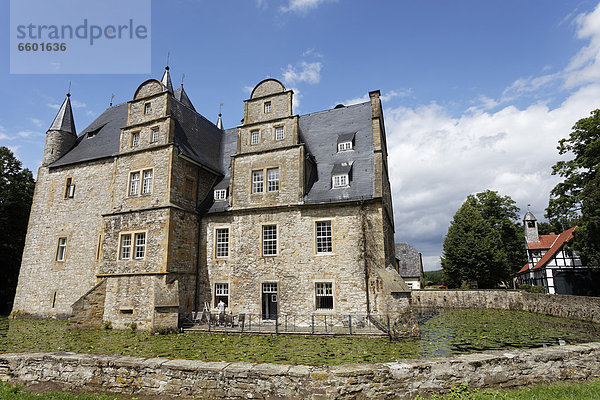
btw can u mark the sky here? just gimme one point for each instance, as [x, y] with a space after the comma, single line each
[476, 94]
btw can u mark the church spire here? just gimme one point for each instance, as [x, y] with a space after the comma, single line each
[64, 121]
[166, 80]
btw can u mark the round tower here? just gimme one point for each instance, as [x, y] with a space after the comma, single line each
[61, 136]
[531, 228]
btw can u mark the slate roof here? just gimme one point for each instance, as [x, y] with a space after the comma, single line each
[409, 256]
[64, 118]
[105, 132]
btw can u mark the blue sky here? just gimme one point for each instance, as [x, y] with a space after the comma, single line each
[476, 93]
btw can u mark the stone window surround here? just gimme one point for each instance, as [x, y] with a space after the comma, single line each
[61, 249]
[265, 177]
[267, 106]
[214, 286]
[135, 139]
[314, 284]
[215, 229]
[154, 138]
[282, 132]
[251, 137]
[133, 235]
[331, 220]
[147, 107]
[258, 183]
[140, 184]
[262, 239]
[69, 188]
[272, 179]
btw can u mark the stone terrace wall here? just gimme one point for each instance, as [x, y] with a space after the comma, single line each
[574, 307]
[210, 380]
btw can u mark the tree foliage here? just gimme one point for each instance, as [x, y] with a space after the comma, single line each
[472, 250]
[16, 194]
[576, 200]
[502, 213]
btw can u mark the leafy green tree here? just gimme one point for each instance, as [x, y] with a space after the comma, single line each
[16, 194]
[575, 200]
[502, 214]
[472, 250]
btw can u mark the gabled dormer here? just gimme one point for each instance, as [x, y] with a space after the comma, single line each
[268, 120]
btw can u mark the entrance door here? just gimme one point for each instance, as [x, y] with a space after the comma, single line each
[269, 300]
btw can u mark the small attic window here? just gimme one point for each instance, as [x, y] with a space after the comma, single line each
[147, 108]
[343, 146]
[340, 181]
[220, 194]
[340, 175]
[267, 107]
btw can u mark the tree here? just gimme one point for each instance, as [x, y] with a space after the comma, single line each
[502, 214]
[575, 200]
[16, 194]
[472, 250]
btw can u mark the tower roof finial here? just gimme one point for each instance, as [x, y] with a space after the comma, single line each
[220, 120]
[166, 80]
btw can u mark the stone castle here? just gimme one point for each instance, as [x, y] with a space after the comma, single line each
[153, 212]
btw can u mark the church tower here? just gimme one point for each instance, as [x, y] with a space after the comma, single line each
[531, 228]
[61, 136]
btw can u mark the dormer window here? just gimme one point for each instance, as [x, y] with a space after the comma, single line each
[343, 146]
[267, 107]
[147, 108]
[254, 136]
[220, 194]
[340, 181]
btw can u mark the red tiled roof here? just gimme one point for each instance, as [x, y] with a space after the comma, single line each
[524, 269]
[545, 242]
[556, 246]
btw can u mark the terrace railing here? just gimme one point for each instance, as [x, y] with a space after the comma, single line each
[309, 324]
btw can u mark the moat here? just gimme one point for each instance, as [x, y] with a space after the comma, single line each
[444, 333]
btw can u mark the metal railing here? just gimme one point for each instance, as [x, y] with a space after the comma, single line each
[309, 324]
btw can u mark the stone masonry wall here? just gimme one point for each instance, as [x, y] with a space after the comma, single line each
[574, 307]
[403, 379]
[46, 286]
[88, 311]
[296, 267]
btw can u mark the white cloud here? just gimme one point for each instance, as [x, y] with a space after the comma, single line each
[78, 104]
[385, 97]
[436, 159]
[307, 72]
[36, 122]
[302, 6]
[53, 106]
[24, 134]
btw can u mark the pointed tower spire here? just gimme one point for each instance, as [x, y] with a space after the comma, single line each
[166, 80]
[220, 121]
[61, 136]
[64, 121]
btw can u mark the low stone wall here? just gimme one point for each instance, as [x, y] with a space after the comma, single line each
[210, 380]
[573, 307]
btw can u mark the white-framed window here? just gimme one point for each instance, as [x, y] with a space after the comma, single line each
[125, 251]
[147, 108]
[220, 194]
[222, 242]
[134, 183]
[323, 237]
[147, 182]
[324, 295]
[254, 137]
[154, 134]
[279, 133]
[69, 188]
[61, 249]
[269, 240]
[135, 139]
[272, 179]
[222, 293]
[140, 245]
[257, 181]
[343, 146]
[340, 180]
[267, 107]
